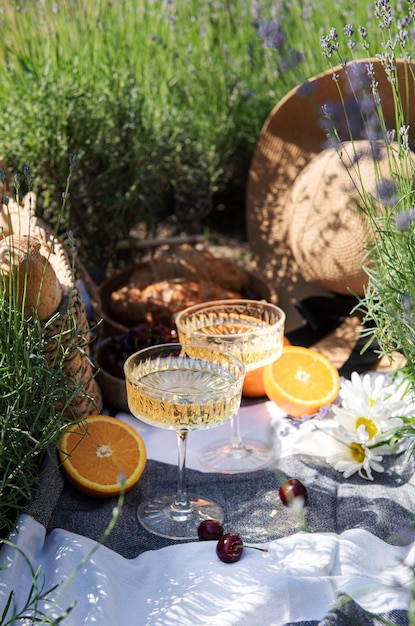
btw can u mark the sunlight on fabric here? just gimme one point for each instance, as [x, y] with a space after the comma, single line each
[299, 579]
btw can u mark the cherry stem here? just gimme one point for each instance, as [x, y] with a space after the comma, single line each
[235, 548]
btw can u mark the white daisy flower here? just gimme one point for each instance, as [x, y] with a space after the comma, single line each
[350, 455]
[372, 403]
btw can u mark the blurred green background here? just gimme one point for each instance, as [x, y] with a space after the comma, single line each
[162, 102]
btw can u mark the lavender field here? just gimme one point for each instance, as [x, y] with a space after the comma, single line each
[162, 101]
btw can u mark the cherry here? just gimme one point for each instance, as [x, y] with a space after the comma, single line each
[141, 335]
[292, 490]
[161, 334]
[117, 369]
[138, 335]
[229, 548]
[209, 529]
[107, 359]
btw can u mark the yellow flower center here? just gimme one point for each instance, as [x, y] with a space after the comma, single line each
[371, 428]
[357, 452]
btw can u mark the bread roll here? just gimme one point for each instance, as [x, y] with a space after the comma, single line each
[33, 277]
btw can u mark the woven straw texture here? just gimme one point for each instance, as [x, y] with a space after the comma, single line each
[292, 137]
[285, 184]
[63, 342]
[328, 231]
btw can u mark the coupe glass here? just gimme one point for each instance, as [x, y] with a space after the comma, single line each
[182, 388]
[253, 331]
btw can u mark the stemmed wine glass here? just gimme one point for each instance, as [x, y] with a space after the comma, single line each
[182, 388]
[252, 330]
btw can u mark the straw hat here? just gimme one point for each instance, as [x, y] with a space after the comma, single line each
[306, 232]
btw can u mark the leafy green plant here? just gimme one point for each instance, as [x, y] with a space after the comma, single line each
[390, 295]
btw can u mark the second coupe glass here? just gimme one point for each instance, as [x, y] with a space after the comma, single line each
[253, 331]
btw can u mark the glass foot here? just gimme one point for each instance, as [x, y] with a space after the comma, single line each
[221, 456]
[161, 517]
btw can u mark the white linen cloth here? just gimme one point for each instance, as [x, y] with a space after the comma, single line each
[297, 580]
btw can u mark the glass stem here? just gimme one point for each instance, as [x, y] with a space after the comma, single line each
[181, 501]
[236, 439]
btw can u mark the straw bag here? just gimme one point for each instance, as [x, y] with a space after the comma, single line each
[65, 347]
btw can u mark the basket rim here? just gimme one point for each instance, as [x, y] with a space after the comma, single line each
[120, 278]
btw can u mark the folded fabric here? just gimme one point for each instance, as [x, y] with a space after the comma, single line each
[299, 579]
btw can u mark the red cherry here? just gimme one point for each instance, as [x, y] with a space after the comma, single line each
[293, 490]
[160, 334]
[138, 335]
[229, 548]
[107, 359]
[209, 529]
[117, 369]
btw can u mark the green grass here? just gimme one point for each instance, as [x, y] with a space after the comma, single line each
[162, 101]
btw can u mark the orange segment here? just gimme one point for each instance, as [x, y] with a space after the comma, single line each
[253, 386]
[301, 381]
[97, 450]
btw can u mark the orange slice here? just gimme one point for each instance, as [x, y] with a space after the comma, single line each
[97, 450]
[301, 381]
[253, 386]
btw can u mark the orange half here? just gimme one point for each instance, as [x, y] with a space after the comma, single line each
[253, 386]
[301, 381]
[99, 450]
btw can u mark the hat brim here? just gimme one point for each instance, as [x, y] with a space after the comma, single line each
[290, 138]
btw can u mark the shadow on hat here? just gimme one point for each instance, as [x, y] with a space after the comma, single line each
[307, 233]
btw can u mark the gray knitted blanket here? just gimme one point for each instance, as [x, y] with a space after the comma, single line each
[334, 505]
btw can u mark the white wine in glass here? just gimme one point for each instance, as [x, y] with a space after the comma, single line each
[182, 387]
[253, 331]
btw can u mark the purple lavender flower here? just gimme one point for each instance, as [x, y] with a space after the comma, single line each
[329, 43]
[28, 176]
[16, 181]
[387, 192]
[294, 58]
[389, 65]
[403, 131]
[348, 30]
[374, 83]
[256, 13]
[405, 219]
[391, 136]
[383, 12]
[348, 33]
[272, 35]
[360, 120]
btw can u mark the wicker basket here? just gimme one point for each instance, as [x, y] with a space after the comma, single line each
[75, 353]
[151, 271]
